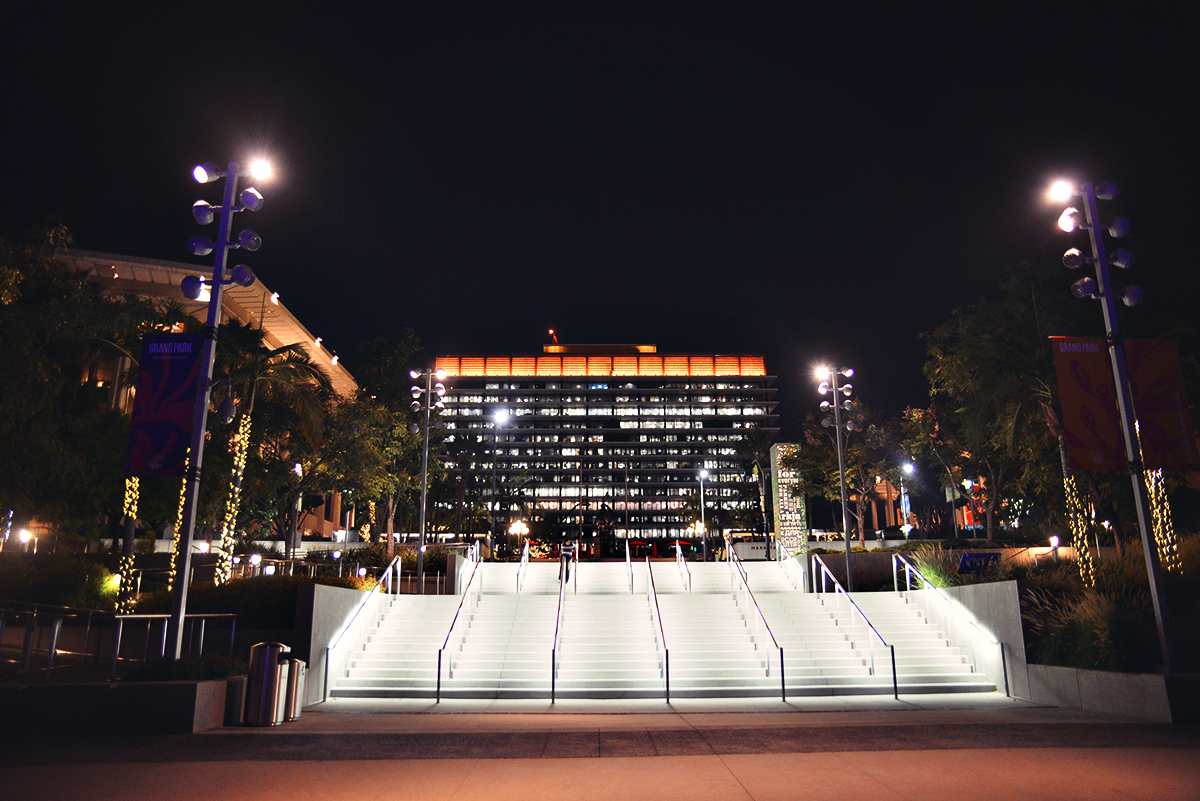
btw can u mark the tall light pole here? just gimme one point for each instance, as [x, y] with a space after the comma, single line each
[703, 527]
[905, 469]
[432, 395]
[499, 418]
[1100, 288]
[829, 383]
[193, 286]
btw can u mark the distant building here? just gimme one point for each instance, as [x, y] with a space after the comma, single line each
[254, 305]
[620, 431]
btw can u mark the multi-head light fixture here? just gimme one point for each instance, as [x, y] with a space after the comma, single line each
[830, 384]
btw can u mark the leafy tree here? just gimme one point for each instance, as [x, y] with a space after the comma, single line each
[870, 452]
[249, 369]
[60, 335]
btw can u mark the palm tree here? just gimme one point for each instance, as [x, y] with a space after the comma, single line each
[249, 368]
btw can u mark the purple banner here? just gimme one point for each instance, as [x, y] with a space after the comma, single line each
[164, 405]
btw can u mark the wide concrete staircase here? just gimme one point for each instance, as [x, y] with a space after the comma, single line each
[611, 643]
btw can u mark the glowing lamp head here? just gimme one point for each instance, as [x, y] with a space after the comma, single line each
[206, 172]
[24, 536]
[703, 474]
[1061, 191]
[501, 416]
[260, 170]
[1069, 220]
[1054, 542]
[908, 468]
[255, 559]
[821, 373]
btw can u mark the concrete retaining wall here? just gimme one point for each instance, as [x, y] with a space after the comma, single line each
[321, 613]
[153, 707]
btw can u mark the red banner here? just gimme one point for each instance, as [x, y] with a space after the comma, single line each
[164, 406]
[1089, 404]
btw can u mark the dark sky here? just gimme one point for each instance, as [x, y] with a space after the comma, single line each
[723, 177]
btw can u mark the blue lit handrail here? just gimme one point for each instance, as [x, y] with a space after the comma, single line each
[661, 639]
[685, 572]
[337, 641]
[466, 594]
[840, 592]
[962, 614]
[738, 571]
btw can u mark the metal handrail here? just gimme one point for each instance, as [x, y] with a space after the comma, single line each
[333, 646]
[737, 570]
[32, 611]
[521, 568]
[465, 595]
[557, 626]
[661, 639]
[629, 566]
[685, 572]
[839, 590]
[786, 558]
[909, 571]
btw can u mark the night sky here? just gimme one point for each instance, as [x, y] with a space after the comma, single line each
[707, 177]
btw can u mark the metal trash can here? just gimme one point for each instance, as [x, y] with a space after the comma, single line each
[266, 684]
[293, 700]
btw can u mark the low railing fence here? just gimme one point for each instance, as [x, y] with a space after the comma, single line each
[71, 632]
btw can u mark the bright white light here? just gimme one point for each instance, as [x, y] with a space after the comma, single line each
[440, 374]
[1061, 191]
[202, 547]
[269, 570]
[1067, 220]
[501, 416]
[298, 469]
[337, 554]
[24, 536]
[318, 342]
[908, 468]
[1054, 542]
[275, 298]
[255, 559]
[335, 358]
[260, 170]
[821, 372]
[703, 474]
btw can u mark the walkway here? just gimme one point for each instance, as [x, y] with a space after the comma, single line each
[979, 747]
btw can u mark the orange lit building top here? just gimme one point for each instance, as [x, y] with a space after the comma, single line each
[603, 361]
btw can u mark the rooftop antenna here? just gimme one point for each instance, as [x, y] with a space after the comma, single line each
[553, 336]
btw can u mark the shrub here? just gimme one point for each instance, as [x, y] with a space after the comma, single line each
[211, 666]
[260, 602]
[57, 579]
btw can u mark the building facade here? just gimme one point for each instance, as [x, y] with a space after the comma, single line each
[616, 435]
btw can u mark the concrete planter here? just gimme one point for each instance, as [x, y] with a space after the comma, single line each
[1149, 696]
[113, 708]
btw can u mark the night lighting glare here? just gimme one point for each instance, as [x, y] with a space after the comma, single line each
[1061, 191]
[260, 170]
[1067, 220]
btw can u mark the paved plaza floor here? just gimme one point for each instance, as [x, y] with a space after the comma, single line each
[923, 747]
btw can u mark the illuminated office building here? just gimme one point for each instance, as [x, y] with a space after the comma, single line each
[620, 429]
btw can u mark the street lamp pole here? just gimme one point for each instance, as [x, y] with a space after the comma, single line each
[1101, 289]
[251, 200]
[703, 527]
[830, 384]
[430, 391]
[498, 419]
